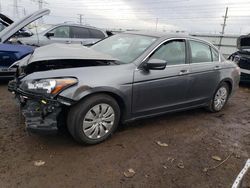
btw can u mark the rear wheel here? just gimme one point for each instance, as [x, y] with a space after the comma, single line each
[94, 119]
[220, 98]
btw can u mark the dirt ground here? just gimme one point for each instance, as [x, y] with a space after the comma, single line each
[193, 137]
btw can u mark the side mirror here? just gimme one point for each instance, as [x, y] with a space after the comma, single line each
[155, 64]
[48, 35]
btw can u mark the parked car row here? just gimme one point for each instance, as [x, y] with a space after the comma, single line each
[21, 41]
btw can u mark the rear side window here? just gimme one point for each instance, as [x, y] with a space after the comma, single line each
[174, 52]
[79, 32]
[215, 55]
[200, 52]
[96, 34]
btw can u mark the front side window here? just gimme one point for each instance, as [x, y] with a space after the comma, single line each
[200, 52]
[174, 52]
[61, 32]
[125, 47]
[80, 32]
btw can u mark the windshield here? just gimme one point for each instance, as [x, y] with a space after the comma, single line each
[125, 47]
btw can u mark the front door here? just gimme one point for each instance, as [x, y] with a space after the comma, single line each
[61, 35]
[156, 91]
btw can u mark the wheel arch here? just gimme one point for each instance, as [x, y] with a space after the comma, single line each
[229, 82]
[114, 93]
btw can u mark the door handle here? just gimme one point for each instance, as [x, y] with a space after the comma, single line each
[217, 67]
[68, 42]
[182, 72]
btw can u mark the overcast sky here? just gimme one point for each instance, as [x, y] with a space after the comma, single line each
[188, 15]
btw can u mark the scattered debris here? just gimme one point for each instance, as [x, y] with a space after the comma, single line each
[237, 156]
[180, 165]
[162, 144]
[220, 115]
[217, 158]
[171, 159]
[129, 173]
[39, 163]
[214, 167]
[164, 166]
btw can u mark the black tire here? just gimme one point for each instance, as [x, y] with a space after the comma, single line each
[211, 106]
[78, 112]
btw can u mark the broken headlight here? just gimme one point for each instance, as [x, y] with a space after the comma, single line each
[48, 86]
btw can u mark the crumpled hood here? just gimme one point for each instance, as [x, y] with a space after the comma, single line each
[58, 51]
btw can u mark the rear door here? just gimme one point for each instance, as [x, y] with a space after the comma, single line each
[157, 91]
[205, 72]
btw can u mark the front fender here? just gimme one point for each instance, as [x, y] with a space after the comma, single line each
[123, 94]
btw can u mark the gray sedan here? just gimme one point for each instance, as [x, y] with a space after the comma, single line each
[122, 78]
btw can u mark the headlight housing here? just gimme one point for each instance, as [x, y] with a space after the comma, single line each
[48, 86]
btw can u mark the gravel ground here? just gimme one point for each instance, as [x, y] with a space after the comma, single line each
[193, 138]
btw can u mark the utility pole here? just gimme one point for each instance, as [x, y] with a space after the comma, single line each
[80, 18]
[223, 27]
[24, 11]
[0, 6]
[156, 24]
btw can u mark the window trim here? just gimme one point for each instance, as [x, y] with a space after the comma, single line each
[145, 59]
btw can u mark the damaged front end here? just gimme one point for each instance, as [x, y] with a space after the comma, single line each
[40, 104]
[39, 96]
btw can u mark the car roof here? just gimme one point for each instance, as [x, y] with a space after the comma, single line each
[165, 35]
[158, 34]
[78, 25]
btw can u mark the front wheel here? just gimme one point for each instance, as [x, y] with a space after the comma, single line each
[94, 119]
[220, 98]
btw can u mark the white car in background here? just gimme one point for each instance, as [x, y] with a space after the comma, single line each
[64, 33]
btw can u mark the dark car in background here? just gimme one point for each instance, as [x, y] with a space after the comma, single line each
[9, 54]
[124, 77]
[242, 57]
